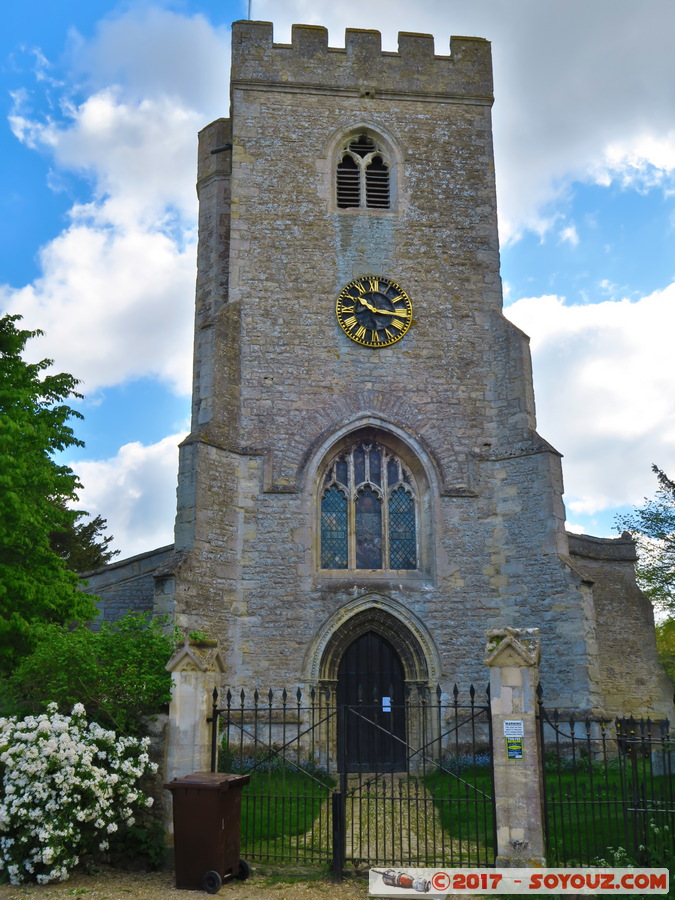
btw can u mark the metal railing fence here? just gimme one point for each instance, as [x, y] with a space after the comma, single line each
[360, 785]
[609, 790]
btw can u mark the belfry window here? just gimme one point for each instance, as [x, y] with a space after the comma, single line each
[368, 511]
[363, 175]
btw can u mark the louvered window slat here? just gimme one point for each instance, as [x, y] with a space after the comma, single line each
[377, 184]
[348, 183]
[363, 176]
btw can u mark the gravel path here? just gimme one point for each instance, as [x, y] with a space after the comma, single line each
[112, 884]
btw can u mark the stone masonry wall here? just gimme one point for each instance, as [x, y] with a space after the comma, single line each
[126, 585]
[278, 386]
[631, 677]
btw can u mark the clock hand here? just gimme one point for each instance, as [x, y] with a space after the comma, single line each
[385, 312]
[366, 304]
[403, 313]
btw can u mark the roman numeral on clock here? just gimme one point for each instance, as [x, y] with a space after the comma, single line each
[373, 311]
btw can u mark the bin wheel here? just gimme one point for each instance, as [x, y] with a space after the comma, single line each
[212, 882]
[244, 870]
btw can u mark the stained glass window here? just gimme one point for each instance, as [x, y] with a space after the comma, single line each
[368, 511]
[342, 472]
[359, 465]
[368, 530]
[402, 537]
[375, 463]
[334, 529]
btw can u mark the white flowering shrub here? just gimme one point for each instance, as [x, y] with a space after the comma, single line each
[67, 787]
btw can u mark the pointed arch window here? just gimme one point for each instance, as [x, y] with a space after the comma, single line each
[368, 511]
[363, 174]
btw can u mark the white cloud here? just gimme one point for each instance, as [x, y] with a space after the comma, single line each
[608, 287]
[575, 529]
[153, 77]
[603, 380]
[583, 92]
[573, 80]
[153, 52]
[569, 235]
[138, 154]
[114, 305]
[116, 292]
[135, 491]
[641, 162]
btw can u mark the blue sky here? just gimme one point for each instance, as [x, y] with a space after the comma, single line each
[99, 110]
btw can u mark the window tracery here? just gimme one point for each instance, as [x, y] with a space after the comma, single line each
[363, 174]
[368, 511]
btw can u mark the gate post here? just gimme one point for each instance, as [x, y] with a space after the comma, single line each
[195, 670]
[513, 657]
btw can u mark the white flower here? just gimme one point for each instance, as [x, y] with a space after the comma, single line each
[52, 790]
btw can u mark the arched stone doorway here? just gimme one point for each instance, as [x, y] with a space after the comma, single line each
[369, 634]
[371, 707]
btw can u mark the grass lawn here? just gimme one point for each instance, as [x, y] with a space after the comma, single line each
[609, 806]
[592, 810]
[285, 815]
[463, 803]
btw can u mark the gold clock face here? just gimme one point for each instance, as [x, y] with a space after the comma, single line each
[374, 311]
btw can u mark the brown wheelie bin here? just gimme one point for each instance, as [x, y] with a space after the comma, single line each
[206, 821]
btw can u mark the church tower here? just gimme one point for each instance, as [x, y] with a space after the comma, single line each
[363, 484]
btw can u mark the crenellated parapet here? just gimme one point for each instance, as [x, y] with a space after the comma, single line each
[362, 67]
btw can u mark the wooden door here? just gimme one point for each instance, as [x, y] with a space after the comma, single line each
[371, 721]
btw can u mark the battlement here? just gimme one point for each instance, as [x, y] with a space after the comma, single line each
[362, 66]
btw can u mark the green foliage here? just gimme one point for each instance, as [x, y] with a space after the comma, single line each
[82, 545]
[198, 636]
[118, 673]
[665, 645]
[143, 842]
[35, 584]
[656, 852]
[653, 527]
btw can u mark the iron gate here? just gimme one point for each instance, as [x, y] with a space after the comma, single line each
[339, 784]
[609, 790]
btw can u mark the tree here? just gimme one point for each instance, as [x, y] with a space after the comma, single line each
[35, 583]
[665, 645]
[653, 527]
[118, 673]
[82, 545]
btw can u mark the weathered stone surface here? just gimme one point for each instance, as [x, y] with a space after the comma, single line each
[278, 387]
[127, 585]
[277, 384]
[512, 655]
